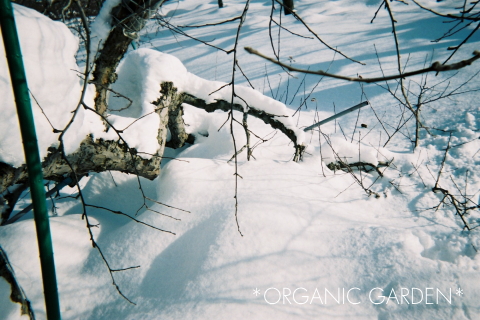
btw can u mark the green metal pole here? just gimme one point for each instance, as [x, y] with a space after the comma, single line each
[34, 165]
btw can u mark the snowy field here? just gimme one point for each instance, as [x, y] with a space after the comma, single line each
[317, 243]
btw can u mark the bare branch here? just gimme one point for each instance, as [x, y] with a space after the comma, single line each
[212, 24]
[318, 38]
[435, 67]
[448, 15]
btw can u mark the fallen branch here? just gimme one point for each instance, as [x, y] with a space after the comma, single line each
[92, 156]
[267, 118]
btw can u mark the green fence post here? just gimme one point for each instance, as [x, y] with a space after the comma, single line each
[32, 156]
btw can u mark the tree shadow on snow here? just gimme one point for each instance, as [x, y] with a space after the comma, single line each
[181, 263]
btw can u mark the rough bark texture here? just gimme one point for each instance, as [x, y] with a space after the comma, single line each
[91, 156]
[104, 74]
[172, 101]
[128, 18]
[17, 295]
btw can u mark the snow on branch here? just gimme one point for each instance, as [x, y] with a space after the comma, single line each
[270, 119]
[150, 69]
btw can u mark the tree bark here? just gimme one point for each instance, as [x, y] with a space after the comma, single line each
[91, 156]
[17, 295]
[128, 19]
[172, 101]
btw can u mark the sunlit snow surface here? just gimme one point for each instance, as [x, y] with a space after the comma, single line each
[305, 227]
[52, 80]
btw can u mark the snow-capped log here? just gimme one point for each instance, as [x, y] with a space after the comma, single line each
[173, 99]
[266, 117]
[98, 155]
[177, 126]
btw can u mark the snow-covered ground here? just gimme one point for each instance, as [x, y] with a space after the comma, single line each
[315, 245]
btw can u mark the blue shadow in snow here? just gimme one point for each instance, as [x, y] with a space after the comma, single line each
[180, 263]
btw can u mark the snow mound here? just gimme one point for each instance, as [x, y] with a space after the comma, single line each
[48, 49]
[139, 77]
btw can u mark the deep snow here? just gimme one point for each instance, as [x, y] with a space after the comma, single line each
[305, 227]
